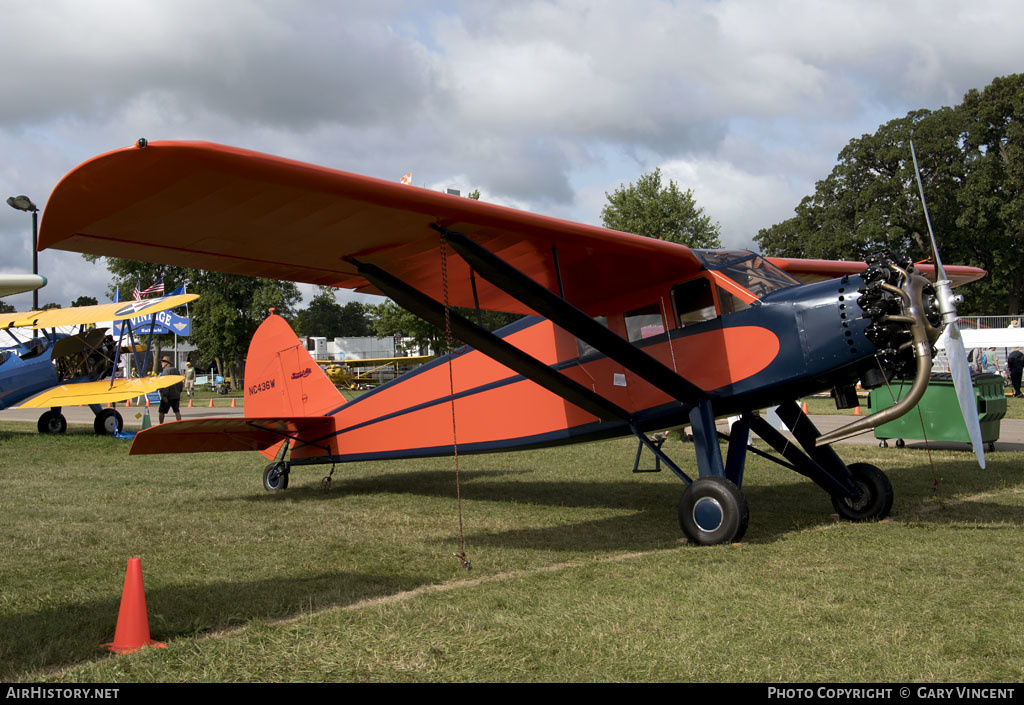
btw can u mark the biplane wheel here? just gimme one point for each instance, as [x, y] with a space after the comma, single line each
[107, 423]
[275, 476]
[900, 443]
[713, 510]
[875, 502]
[52, 422]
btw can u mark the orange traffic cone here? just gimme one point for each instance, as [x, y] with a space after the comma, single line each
[856, 411]
[805, 407]
[190, 402]
[233, 403]
[211, 403]
[132, 631]
[127, 402]
[147, 402]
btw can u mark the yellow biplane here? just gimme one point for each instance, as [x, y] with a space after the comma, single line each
[51, 369]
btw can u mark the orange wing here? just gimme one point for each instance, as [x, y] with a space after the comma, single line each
[207, 206]
[812, 270]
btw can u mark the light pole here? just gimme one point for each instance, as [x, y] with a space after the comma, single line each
[24, 203]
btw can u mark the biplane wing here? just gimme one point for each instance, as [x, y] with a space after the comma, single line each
[99, 392]
[83, 315]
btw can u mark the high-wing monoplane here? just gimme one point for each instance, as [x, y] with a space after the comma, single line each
[48, 369]
[621, 334]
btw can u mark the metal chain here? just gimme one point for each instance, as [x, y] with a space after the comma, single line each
[461, 555]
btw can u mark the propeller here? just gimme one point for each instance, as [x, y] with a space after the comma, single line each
[955, 351]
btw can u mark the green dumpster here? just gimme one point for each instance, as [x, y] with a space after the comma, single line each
[941, 411]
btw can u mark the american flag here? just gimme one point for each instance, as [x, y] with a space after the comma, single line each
[155, 289]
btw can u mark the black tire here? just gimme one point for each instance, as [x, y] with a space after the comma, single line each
[713, 510]
[275, 476]
[107, 423]
[900, 443]
[52, 422]
[875, 502]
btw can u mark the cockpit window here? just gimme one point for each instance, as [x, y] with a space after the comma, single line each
[644, 323]
[758, 276]
[694, 302]
[713, 259]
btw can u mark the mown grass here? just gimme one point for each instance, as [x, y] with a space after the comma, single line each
[578, 570]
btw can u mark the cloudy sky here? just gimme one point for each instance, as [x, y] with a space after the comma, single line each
[541, 105]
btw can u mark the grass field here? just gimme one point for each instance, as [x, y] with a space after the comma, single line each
[578, 570]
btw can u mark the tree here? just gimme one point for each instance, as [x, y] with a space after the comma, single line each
[229, 309]
[324, 317]
[47, 307]
[225, 316]
[973, 173]
[7, 308]
[667, 213]
[84, 301]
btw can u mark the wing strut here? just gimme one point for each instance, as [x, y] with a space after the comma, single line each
[561, 312]
[491, 345]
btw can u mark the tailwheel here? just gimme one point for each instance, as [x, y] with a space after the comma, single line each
[275, 476]
[875, 501]
[52, 422]
[107, 423]
[713, 510]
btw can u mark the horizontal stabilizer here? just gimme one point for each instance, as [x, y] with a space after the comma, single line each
[101, 392]
[230, 434]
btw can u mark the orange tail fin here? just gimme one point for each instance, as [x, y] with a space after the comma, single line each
[282, 379]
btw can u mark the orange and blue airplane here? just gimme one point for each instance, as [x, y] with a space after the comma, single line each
[620, 335]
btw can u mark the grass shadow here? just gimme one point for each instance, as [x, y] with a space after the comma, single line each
[74, 632]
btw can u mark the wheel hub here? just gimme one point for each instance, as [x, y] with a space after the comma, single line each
[708, 514]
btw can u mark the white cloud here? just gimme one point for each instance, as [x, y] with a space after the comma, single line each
[544, 105]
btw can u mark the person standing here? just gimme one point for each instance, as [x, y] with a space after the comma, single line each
[170, 396]
[190, 378]
[1015, 364]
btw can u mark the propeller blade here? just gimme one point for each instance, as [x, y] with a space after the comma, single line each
[961, 373]
[940, 271]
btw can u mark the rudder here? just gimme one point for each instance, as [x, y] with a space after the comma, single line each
[282, 378]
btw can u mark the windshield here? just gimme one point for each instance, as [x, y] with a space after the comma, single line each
[753, 272]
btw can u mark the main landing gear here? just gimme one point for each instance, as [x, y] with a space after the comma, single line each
[108, 422]
[713, 509]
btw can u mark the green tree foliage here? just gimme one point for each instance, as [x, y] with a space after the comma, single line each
[7, 308]
[47, 307]
[325, 317]
[648, 208]
[971, 165]
[227, 313]
[230, 308]
[84, 301]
